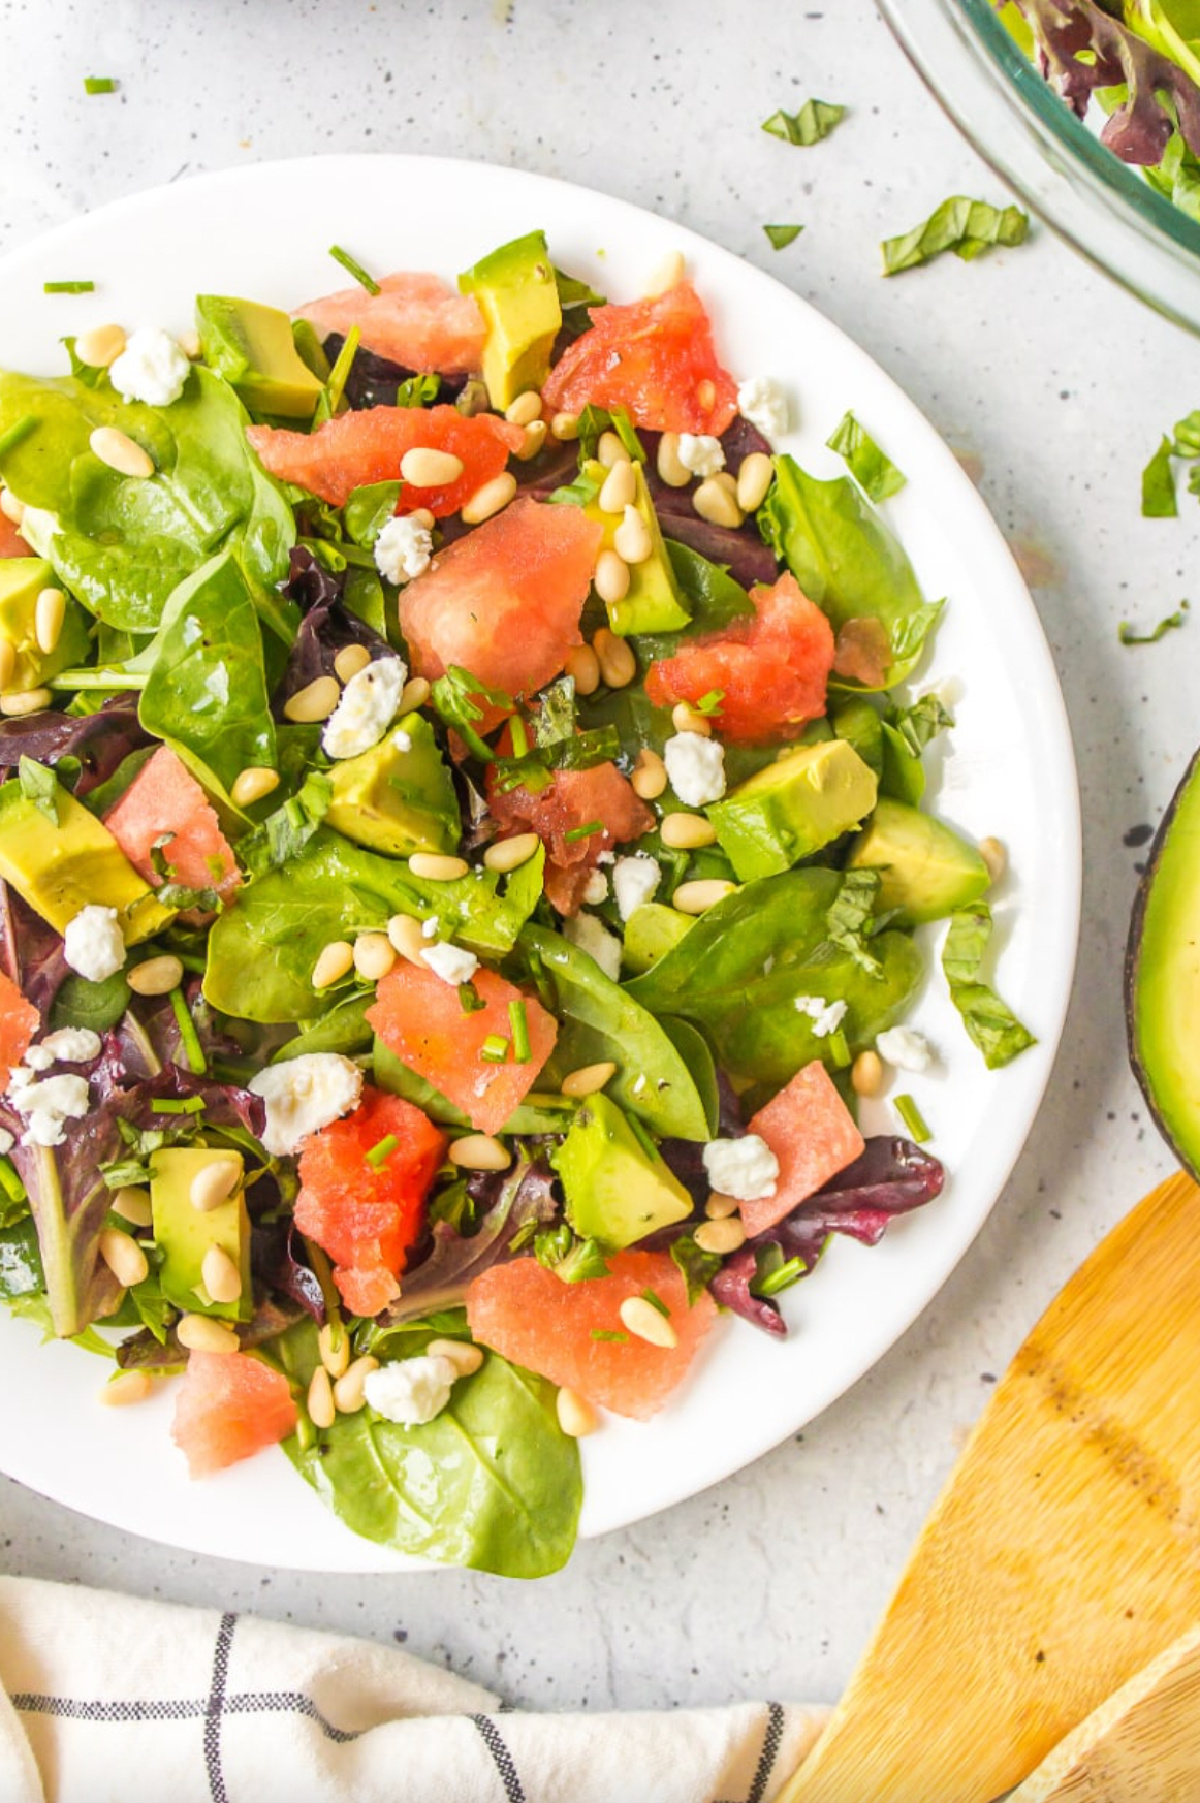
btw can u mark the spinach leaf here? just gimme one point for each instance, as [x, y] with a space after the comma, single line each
[207, 691]
[82, 1003]
[845, 558]
[871, 468]
[967, 227]
[906, 732]
[601, 1022]
[491, 1483]
[989, 1021]
[815, 120]
[368, 511]
[744, 966]
[344, 1029]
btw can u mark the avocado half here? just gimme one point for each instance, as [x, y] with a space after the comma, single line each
[1162, 975]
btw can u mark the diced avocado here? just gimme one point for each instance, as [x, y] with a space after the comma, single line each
[518, 296]
[22, 580]
[61, 866]
[253, 348]
[793, 807]
[927, 871]
[617, 1190]
[653, 602]
[398, 797]
[651, 932]
[185, 1233]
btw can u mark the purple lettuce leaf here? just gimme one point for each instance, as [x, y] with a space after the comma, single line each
[143, 1351]
[684, 1158]
[31, 952]
[225, 1104]
[277, 1263]
[374, 380]
[731, 1289]
[101, 741]
[147, 1037]
[326, 629]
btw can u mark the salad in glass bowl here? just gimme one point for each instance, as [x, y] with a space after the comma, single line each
[462, 848]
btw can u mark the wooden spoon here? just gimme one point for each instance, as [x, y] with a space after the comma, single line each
[1063, 1554]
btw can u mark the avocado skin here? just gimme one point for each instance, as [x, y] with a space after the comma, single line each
[1155, 974]
[517, 294]
[184, 1234]
[616, 1193]
[252, 347]
[927, 870]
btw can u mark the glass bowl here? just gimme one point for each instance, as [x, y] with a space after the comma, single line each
[1105, 207]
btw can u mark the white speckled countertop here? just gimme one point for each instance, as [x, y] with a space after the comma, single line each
[1055, 384]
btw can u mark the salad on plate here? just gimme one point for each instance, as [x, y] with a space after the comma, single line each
[464, 866]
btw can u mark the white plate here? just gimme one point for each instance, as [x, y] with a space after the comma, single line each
[1008, 771]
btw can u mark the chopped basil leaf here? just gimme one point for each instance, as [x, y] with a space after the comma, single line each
[989, 1021]
[580, 493]
[698, 1268]
[871, 468]
[1158, 485]
[967, 227]
[815, 120]
[355, 268]
[780, 236]
[918, 724]
[573, 293]
[287, 831]
[68, 287]
[915, 1124]
[457, 696]
[595, 421]
[1128, 636]
[39, 785]
[575, 1261]
[851, 921]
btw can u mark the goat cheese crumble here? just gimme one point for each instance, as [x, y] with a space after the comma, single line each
[366, 709]
[404, 549]
[411, 1391]
[695, 768]
[93, 944]
[700, 453]
[70, 1045]
[745, 1168]
[635, 880]
[904, 1049]
[47, 1106]
[152, 368]
[765, 404]
[597, 889]
[451, 963]
[303, 1095]
[826, 1017]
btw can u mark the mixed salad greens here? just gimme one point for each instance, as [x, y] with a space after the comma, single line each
[462, 853]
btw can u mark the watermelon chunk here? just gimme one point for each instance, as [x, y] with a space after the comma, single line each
[415, 320]
[11, 542]
[421, 1019]
[366, 1215]
[813, 1135]
[504, 602]
[19, 1021]
[571, 799]
[370, 445]
[228, 1407]
[164, 801]
[529, 1315]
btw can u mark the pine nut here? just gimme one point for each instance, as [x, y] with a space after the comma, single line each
[156, 976]
[612, 577]
[674, 473]
[714, 503]
[404, 933]
[687, 832]
[489, 499]
[200, 1333]
[350, 660]
[465, 1357]
[133, 1205]
[421, 516]
[335, 1356]
[10, 507]
[619, 490]
[214, 1183]
[866, 1074]
[699, 897]
[753, 480]
[565, 427]
[632, 539]
[685, 718]
[8, 662]
[322, 1411]
[583, 667]
[535, 438]
[415, 694]
[525, 409]
[426, 468]
[668, 274]
[124, 1257]
[100, 347]
[49, 615]
[721, 1237]
[220, 1276]
[118, 452]
[434, 867]
[252, 783]
[314, 702]
[576, 1416]
[334, 961]
[510, 854]
[189, 344]
[649, 777]
[374, 956]
[720, 1207]
[610, 450]
[480, 1152]
[643, 1320]
[706, 394]
[588, 1079]
[995, 856]
[29, 701]
[126, 1387]
[348, 1392]
[618, 666]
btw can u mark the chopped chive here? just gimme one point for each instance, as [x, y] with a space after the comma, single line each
[711, 703]
[99, 84]
[382, 1150]
[1128, 636]
[186, 1105]
[520, 737]
[606, 1333]
[339, 375]
[643, 1138]
[17, 433]
[656, 1301]
[10, 1182]
[519, 1022]
[780, 236]
[469, 998]
[494, 1049]
[193, 1050]
[839, 1050]
[781, 1278]
[583, 832]
[68, 287]
[109, 680]
[914, 1121]
[354, 267]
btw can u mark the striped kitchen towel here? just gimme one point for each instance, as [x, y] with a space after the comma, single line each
[106, 1699]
